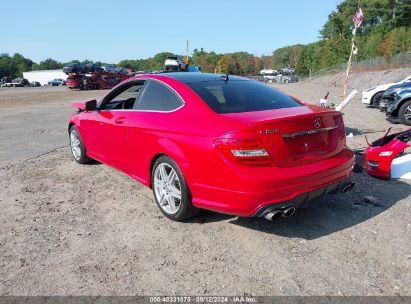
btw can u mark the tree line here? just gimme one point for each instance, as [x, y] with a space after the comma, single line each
[386, 31]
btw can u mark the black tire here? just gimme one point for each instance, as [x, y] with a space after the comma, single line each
[375, 100]
[186, 208]
[82, 158]
[403, 111]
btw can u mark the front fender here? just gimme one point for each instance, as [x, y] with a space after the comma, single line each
[398, 104]
[76, 121]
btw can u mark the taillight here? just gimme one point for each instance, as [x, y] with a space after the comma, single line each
[341, 127]
[341, 130]
[248, 151]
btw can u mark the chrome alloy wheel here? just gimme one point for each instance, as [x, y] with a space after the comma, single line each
[167, 188]
[75, 144]
[407, 113]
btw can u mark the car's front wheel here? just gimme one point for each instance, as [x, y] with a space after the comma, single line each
[404, 114]
[77, 147]
[170, 189]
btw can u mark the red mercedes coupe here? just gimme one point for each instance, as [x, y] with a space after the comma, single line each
[218, 142]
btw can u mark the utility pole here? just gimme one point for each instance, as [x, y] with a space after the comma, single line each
[187, 50]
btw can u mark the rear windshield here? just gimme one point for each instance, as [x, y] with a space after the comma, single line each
[236, 96]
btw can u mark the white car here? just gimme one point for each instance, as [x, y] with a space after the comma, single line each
[174, 63]
[372, 96]
[268, 72]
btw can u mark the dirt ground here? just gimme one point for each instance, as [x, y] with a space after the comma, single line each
[68, 229]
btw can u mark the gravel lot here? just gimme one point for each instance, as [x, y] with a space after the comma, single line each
[67, 229]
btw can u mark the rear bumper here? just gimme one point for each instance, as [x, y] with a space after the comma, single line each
[303, 200]
[262, 187]
[73, 84]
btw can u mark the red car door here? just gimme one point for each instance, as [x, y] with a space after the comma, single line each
[111, 136]
[90, 132]
[106, 127]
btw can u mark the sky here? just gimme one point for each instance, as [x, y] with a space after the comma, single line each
[110, 31]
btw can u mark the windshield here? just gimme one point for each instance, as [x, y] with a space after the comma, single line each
[236, 96]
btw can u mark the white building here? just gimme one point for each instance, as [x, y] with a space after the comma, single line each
[44, 76]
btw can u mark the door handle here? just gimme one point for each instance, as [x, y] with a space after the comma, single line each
[120, 120]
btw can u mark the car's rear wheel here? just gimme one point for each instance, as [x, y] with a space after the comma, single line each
[170, 190]
[77, 147]
[376, 99]
[404, 114]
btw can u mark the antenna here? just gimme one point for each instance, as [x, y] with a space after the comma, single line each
[225, 77]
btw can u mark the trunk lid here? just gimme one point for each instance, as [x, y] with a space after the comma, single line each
[297, 136]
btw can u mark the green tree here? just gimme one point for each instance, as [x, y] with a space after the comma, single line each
[6, 65]
[48, 64]
[223, 65]
[20, 64]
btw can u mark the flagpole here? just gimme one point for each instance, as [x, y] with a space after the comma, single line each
[349, 63]
[358, 20]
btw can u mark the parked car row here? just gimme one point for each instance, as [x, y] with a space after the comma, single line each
[93, 77]
[284, 75]
[16, 82]
[23, 82]
[392, 98]
[77, 68]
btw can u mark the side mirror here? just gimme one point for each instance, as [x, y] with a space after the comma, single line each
[91, 105]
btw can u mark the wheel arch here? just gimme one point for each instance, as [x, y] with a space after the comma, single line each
[70, 125]
[170, 149]
[373, 95]
[400, 104]
[75, 121]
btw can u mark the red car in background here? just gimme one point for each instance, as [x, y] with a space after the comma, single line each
[380, 154]
[217, 142]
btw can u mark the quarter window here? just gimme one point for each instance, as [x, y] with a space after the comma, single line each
[157, 97]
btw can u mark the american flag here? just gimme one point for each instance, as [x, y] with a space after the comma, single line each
[358, 18]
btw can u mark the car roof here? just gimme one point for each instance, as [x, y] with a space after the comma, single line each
[190, 77]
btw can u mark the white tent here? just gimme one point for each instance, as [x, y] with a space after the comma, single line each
[44, 76]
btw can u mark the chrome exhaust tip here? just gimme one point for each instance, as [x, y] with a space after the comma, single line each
[347, 187]
[273, 215]
[288, 212]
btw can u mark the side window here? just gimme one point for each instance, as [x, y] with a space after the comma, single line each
[125, 97]
[157, 97]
